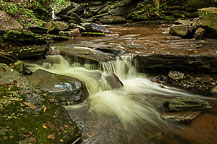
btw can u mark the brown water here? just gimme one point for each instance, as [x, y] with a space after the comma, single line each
[138, 121]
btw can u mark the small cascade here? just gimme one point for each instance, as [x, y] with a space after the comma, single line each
[53, 7]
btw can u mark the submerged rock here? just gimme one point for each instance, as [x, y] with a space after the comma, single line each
[186, 103]
[31, 116]
[65, 88]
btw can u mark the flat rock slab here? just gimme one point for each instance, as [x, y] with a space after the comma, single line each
[65, 88]
[29, 115]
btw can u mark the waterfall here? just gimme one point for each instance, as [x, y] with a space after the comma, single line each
[53, 7]
[131, 103]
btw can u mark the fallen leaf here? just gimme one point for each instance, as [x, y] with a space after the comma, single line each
[44, 126]
[51, 136]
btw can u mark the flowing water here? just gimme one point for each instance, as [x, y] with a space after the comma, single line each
[126, 115]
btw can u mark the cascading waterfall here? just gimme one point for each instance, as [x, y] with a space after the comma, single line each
[53, 7]
[133, 104]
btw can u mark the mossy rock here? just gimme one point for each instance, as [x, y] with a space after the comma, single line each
[93, 34]
[22, 36]
[31, 116]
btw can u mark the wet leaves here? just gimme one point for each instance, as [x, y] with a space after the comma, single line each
[51, 136]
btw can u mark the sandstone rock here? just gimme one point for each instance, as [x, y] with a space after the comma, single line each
[7, 22]
[186, 103]
[55, 26]
[181, 30]
[22, 36]
[175, 75]
[113, 19]
[199, 33]
[214, 91]
[95, 28]
[182, 116]
[208, 18]
[65, 88]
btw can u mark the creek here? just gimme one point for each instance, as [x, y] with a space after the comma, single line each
[132, 113]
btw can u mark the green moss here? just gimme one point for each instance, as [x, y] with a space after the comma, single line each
[97, 34]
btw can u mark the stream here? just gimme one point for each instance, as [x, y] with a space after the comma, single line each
[130, 114]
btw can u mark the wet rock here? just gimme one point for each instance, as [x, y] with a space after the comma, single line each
[181, 30]
[113, 81]
[28, 116]
[7, 22]
[22, 37]
[29, 51]
[112, 19]
[186, 103]
[199, 33]
[214, 91]
[65, 88]
[175, 75]
[70, 33]
[38, 30]
[73, 26]
[208, 18]
[182, 116]
[93, 34]
[55, 26]
[18, 66]
[183, 22]
[54, 38]
[95, 28]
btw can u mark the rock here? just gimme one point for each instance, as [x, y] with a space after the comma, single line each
[7, 22]
[61, 8]
[181, 30]
[23, 37]
[183, 22]
[18, 66]
[26, 52]
[64, 88]
[6, 58]
[185, 104]
[113, 81]
[54, 38]
[71, 18]
[112, 19]
[182, 116]
[208, 18]
[175, 75]
[28, 116]
[95, 28]
[70, 33]
[199, 33]
[73, 26]
[55, 26]
[38, 30]
[214, 91]
[93, 34]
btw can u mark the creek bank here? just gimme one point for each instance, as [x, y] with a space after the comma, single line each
[30, 115]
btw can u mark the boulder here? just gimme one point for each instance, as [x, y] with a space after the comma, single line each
[199, 33]
[181, 30]
[183, 22]
[95, 28]
[70, 33]
[113, 81]
[113, 19]
[66, 89]
[185, 104]
[214, 91]
[22, 37]
[55, 26]
[7, 22]
[31, 116]
[208, 18]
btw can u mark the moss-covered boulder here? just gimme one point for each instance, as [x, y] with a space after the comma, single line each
[208, 19]
[181, 30]
[22, 36]
[31, 116]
